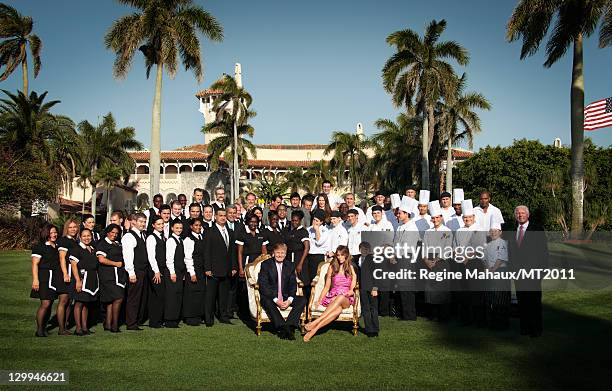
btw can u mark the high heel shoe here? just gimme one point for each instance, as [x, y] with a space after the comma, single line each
[65, 332]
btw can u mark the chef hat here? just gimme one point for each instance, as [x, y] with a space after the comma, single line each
[408, 204]
[434, 209]
[423, 197]
[395, 201]
[467, 209]
[457, 196]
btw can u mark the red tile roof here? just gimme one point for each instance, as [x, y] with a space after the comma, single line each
[171, 155]
[207, 92]
[458, 153]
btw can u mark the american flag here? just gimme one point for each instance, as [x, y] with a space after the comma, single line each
[598, 114]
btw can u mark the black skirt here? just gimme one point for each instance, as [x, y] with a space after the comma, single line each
[193, 296]
[113, 281]
[174, 296]
[48, 281]
[90, 287]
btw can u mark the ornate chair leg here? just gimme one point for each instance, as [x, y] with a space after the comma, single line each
[355, 326]
[258, 327]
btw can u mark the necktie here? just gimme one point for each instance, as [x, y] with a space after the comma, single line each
[225, 238]
[142, 235]
[521, 235]
[279, 270]
[199, 236]
[163, 237]
[282, 225]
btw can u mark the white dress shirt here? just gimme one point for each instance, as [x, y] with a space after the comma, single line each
[383, 225]
[369, 217]
[321, 246]
[448, 213]
[170, 250]
[151, 243]
[147, 213]
[485, 219]
[339, 237]
[279, 271]
[128, 244]
[354, 240]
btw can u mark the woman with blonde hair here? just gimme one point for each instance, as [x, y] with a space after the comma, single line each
[67, 245]
[338, 293]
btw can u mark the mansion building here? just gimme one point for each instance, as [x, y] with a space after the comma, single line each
[186, 168]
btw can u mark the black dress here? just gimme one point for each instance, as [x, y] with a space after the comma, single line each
[195, 292]
[294, 239]
[87, 265]
[69, 245]
[273, 237]
[112, 279]
[251, 244]
[49, 273]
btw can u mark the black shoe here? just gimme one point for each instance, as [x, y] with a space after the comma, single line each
[171, 325]
[209, 325]
[40, 334]
[226, 321]
[79, 333]
[117, 330]
[135, 328]
[156, 326]
[106, 328]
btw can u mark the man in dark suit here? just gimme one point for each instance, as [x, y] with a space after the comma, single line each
[280, 293]
[368, 292]
[220, 264]
[528, 249]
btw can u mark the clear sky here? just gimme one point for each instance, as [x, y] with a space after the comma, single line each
[312, 67]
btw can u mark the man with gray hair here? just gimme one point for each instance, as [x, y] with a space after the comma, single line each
[527, 250]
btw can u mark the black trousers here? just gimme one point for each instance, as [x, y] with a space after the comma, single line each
[193, 298]
[174, 297]
[134, 306]
[369, 311]
[530, 312]
[407, 305]
[386, 303]
[217, 288]
[293, 320]
[156, 301]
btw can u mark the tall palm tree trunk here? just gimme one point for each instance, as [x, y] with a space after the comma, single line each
[83, 208]
[236, 168]
[24, 71]
[425, 154]
[108, 205]
[449, 165]
[577, 129]
[94, 185]
[155, 156]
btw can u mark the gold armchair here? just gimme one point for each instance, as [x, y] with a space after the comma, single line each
[258, 314]
[350, 314]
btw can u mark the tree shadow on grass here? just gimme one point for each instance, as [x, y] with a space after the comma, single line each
[574, 352]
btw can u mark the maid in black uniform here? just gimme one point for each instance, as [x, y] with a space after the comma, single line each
[273, 233]
[257, 211]
[66, 246]
[195, 289]
[112, 275]
[45, 275]
[297, 241]
[174, 279]
[88, 221]
[251, 244]
[85, 271]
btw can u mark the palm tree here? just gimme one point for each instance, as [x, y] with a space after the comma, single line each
[163, 30]
[109, 175]
[83, 173]
[105, 144]
[575, 21]
[348, 152]
[396, 152]
[296, 179]
[225, 143]
[33, 133]
[17, 29]
[317, 173]
[457, 111]
[418, 71]
[232, 108]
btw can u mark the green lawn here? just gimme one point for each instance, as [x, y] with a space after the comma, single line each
[575, 351]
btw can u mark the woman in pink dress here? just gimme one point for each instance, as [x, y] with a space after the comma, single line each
[338, 292]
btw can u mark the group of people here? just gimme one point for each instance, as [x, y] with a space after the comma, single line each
[186, 262]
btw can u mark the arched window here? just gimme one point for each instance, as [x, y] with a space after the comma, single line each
[170, 197]
[142, 201]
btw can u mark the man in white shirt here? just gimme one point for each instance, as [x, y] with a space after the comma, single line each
[219, 202]
[349, 198]
[136, 262]
[378, 223]
[158, 200]
[198, 197]
[423, 219]
[320, 244]
[354, 232]
[207, 214]
[456, 221]
[379, 199]
[182, 198]
[486, 213]
[447, 209]
[166, 214]
[334, 200]
[339, 235]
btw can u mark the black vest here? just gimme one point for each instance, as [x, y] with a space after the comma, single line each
[160, 253]
[198, 253]
[179, 256]
[141, 262]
